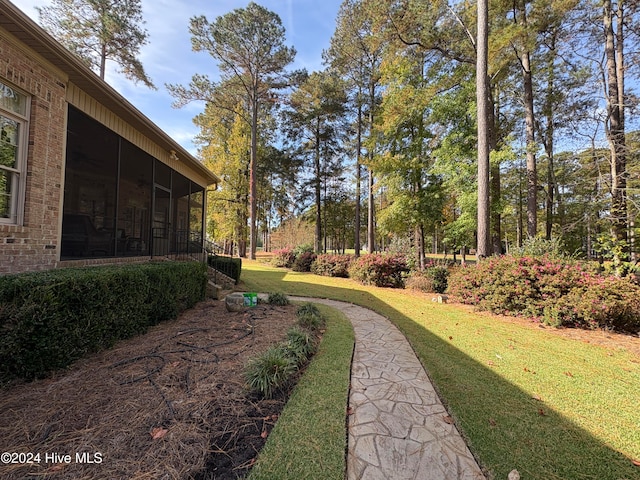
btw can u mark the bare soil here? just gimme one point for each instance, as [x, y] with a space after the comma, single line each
[170, 404]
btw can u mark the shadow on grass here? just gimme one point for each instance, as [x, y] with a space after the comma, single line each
[505, 427]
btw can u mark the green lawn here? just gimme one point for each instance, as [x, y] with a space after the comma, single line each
[525, 398]
[309, 439]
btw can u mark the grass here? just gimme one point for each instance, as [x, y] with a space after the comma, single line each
[524, 398]
[309, 439]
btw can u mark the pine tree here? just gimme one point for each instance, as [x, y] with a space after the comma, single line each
[248, 44]
[100, 30]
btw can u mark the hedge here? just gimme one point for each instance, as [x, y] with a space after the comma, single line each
[230, 266]
[558, 292]
[50, 319]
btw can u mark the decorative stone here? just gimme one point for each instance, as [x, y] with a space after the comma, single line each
[234, 302]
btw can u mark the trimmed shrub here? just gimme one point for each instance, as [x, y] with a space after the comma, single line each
[50, 319]
[277, 299]
[607, 302]
[283, 258]
[515, 285]
[230, 266]
[434, 278]
[559, 292]
[332, 265]
[303, 262]
[379, 270]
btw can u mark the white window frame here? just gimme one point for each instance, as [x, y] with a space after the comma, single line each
[19, 172]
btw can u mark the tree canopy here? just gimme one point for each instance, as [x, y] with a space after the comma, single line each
[100, 30]
[465, 128]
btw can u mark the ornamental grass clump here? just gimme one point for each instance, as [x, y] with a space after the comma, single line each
[269, 372]
[433, 279]
[310, 317]
[300, 345]
[272, 370]
[279, 299]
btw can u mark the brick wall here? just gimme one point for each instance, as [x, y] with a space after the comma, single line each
[34, 245]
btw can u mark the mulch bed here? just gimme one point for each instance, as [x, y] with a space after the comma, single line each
[171, 404]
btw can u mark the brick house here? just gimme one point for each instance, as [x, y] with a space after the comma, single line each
[85, 178]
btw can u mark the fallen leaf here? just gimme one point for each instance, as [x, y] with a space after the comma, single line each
[568, 374]
[448, 419]
[636, 462]
[450, 338]
[264, 434]
[492, 422]
[490, 363]
[514, 475]
[537, 397]
[541, 412]
[350, 411]
[158, 433]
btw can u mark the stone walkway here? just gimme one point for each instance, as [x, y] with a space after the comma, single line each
[398, 428]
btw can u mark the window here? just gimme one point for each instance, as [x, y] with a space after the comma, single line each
[13, 132]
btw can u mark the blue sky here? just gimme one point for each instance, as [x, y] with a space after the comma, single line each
[168, 57]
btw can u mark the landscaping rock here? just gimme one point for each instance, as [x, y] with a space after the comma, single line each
[235, 302]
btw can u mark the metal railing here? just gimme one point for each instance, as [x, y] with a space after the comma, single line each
[180, 244]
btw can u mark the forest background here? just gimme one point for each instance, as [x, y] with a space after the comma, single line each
[376, 149]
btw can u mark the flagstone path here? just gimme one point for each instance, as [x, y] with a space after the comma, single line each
[398, 427]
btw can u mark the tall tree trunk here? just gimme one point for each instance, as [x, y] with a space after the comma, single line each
[548, 137]
[371, 228]
[482, 94]
[520, 226]
[253, 197]
[358, 176]
[532, 173]
[317, 188]
[616, 134]
[422, 260]
[495, 192]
